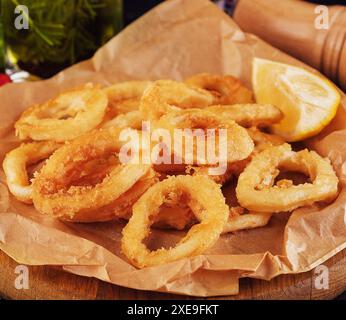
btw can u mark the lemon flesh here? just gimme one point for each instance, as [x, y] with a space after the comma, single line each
[308, 101]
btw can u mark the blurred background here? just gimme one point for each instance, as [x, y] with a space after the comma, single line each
[63, 32]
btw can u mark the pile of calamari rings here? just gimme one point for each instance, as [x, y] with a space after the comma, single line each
[69, 162]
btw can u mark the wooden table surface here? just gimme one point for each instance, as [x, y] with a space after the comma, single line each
[52, 283]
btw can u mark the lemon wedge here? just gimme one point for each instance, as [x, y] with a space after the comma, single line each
[308, 101]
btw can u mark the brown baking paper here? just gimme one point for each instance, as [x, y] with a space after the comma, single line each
[177, 39]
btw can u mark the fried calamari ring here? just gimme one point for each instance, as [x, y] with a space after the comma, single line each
[264, 140]
[239, 144]
[248, 115]
[204, 171]
[65, 117]
[16, 162]
[175, 214]
[124, 97]
[256, 190]
[56, 191]
[121, 208]
[125, 91]
[123, 106]
[167, 95]
[239, 220]
[228, 89]
[178, 216]
[132, 119]
[197, 192]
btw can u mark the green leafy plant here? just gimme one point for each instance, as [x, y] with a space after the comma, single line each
[60, 31]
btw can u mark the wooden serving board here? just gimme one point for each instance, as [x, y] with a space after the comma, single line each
[52, 283]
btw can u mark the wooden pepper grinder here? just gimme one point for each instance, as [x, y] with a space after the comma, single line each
[311, 33]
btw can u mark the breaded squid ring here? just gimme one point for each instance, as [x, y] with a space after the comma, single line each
[54, 191]
[65, 117]
[121, 208]
[126, 90]
[175, 214]
[248, 115]
[180, 217]
[264, 140]
[203, 171]
[132, 119]
[174, 217]
[245, 221]
[228, 89]
[198, 192]
[239, 143]
[256, 191]
[166, 95]
[124, 97]
[18, 159]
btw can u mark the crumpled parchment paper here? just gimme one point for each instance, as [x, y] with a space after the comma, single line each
[177, 39]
